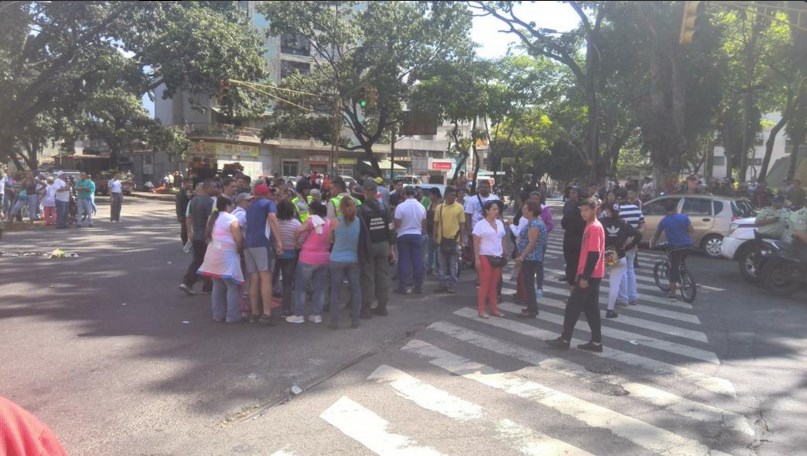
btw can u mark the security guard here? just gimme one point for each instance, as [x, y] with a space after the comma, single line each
[339, 188]
[301, 200]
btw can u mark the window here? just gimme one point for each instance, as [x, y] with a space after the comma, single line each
[288, 67]
[290, 168]
[718, 207]
[697, 206]
[656, 207]
[294, 44]
[719, 161]
[345, 170]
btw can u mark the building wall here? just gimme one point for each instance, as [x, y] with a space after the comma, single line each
[780, 149]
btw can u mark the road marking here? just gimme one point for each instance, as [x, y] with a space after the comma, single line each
[633, 338]
[428, 397]
[657, 440]
[707, 382]
[370, 430]
[679, 405]
[283, 452]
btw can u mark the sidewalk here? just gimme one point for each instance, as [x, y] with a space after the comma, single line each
[154, 196]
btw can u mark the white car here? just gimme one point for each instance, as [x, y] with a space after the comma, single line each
[739, 245]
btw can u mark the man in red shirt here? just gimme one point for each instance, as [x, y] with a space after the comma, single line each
[586, 290]
[21, 434]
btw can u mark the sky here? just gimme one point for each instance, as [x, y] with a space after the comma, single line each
[486, 30]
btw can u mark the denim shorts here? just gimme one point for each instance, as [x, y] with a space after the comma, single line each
[257, 259]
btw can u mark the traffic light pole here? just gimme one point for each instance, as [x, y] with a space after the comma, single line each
[337, 129]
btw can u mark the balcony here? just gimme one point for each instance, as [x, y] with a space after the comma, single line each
[223, 131]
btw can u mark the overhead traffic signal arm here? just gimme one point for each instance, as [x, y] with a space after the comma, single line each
[688, 22]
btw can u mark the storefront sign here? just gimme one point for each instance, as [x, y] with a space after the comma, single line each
[441, 165]
[223, 150]
[347, 161]
[319, 159]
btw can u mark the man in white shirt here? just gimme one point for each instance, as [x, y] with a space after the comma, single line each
[116, 198]
[62, 199]
[473, 207]
[410, 221]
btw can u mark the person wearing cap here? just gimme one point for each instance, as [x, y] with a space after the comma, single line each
[62, 190]
[410, 222]
[383, 191]
[772, 218]
[375, 270]
[259, 256]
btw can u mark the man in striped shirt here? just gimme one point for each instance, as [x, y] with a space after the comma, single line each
[632, 214]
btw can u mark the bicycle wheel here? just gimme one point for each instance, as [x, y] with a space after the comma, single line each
[688, 288]
[661, 273]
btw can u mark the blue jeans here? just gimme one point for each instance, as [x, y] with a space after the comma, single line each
[33, 207]
[339, 271]
[85, 207]
[62, 208]
[432, 262]
[449, 269]
[310, 276]
[627, 290]
[226, 300]
[410, 260]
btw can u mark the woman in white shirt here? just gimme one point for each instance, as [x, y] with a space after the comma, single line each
[222, 262]
[49, 203]
[489, 250]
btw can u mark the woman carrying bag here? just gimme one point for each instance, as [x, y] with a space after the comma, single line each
[531, 245]
[617, 234]
[489, 249]
[222, 261]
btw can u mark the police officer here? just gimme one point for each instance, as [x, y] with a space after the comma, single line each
[796, 230]
[301, 200]
[375, 270]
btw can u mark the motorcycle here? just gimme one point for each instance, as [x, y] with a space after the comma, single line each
[783, 270]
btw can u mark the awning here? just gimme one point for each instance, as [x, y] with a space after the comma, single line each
[385, 164]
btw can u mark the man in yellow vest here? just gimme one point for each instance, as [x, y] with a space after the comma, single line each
[301, 200]
[339, 188]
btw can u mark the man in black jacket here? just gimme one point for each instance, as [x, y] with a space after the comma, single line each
[573, 226]
[182, 199]
[375, 217]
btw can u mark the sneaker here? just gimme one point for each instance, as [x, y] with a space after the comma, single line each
[539, 293]
[296, 319]
[254, 318]
[590, 346]
[287, 313]
[611, 314]
[633, 303]
[380, 312]
[188, 290]
[365, 314]
[315, 318]
[558, 343]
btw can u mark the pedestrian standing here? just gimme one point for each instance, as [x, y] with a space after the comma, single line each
[182, 199]
[62, 191]
[573, 226]
[530, 244]
[287, 261]
[449, 220]
[410, 218]
[620, 237]
[631, 213]
[85, 189]
[49, 202]
[259, 254]
[116, 202]
[490, 257]
[431, 256]
[344, 260]
[473, 208]
[375, 216]
[314, 237]
[222, 263]
[585, 293]
[199, 208]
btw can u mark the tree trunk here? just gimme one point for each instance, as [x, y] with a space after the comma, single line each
[797, 139]
[763, 170]
[476, 156]
[368, 152]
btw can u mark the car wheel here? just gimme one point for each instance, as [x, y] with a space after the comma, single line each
[747, 260]
[712, 245]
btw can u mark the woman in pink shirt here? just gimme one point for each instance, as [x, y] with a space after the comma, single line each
[312, 264]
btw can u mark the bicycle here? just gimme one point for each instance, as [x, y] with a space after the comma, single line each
[661, 274]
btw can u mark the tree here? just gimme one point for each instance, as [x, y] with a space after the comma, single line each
[55, 55]
[383, 46]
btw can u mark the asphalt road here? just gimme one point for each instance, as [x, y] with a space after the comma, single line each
[107, 351]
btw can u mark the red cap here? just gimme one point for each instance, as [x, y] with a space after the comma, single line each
[260, 190]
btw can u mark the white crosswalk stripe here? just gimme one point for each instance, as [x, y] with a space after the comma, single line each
[428, 397]
[370, 430]
[283, 452]
[648, 436]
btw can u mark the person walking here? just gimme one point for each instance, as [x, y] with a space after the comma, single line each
[259, 257]
[85, 188]
[182, 199]
[62, 191]
[116, 198]
[287, 261]
[490, 257]
[449, 220]
[585, 294]
[573, 226]
[312, 264]
[200, 208]
[531, 243]
[620, 237]
[222, 263]
[677, 228]
[375, 271]
[631, 212]
[49, 202]
[410, 217]
[344, 261]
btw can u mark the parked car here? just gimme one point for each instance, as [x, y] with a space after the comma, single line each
[427, 187]
[711, 216]
[739, 245]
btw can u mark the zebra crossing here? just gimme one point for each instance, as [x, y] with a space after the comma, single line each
[655, 389]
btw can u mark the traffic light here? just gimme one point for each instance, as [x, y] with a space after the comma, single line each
[372, 97]
[362, 97]
[688, 22]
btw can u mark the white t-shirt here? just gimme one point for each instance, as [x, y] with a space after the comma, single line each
[474, 207]
[50, 196]
[61, 196]
[114, 186]
[222, 235]
[411, 214]
[490, 241]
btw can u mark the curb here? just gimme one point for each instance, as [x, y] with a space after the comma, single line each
[153, 196]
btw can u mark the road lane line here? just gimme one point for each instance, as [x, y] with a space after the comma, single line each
[655, 439]
[707, 382]
[370, 430]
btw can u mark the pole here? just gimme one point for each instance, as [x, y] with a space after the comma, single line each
[336, 131]
[392, 155]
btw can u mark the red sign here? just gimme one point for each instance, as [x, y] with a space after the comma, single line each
[441, 165]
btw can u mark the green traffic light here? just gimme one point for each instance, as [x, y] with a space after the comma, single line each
[363, 103]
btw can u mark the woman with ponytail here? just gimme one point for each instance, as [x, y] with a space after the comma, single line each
[222, 262]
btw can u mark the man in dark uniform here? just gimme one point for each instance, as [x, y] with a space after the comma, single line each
[573, 226]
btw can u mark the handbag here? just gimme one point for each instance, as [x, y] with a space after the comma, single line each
[610, 256]
[447, 246]
[496, 261]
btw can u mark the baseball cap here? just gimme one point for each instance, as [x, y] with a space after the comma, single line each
[378, 180]
[370, 185]
[260, 190]
[242, 197]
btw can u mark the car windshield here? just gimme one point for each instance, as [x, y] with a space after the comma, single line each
[742, 209]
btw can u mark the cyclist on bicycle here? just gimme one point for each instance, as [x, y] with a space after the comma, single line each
[677, 228]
